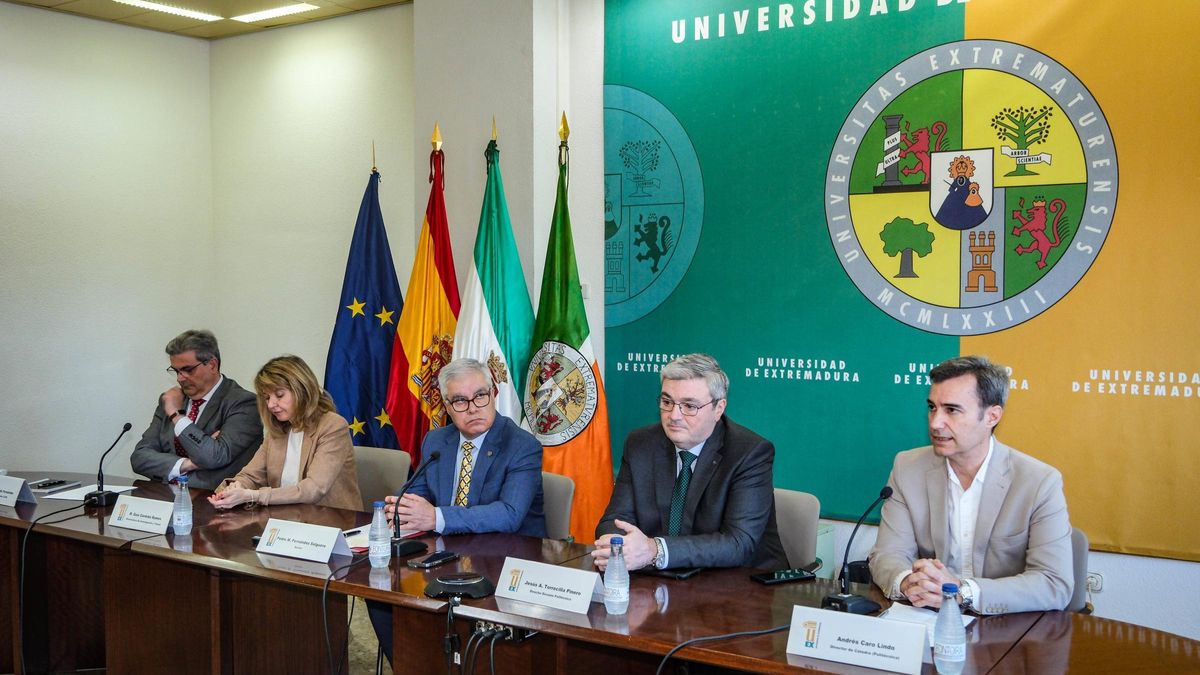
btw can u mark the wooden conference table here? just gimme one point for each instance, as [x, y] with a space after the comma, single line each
[99, 596]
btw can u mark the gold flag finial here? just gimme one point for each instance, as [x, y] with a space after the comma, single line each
[437, 137]
[493, 127]
[563, 130]
[374, 167]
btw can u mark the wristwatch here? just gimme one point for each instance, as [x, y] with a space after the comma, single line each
[966, 596]
[172, 416]
[658, 553]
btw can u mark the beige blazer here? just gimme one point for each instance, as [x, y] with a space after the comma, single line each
[1022, 551]
[328, 475]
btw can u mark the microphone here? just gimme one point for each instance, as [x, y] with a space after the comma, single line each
[846, 601]
[100, 496]
[400, 546]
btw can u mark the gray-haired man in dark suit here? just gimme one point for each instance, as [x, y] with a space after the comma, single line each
[206, 427]
[695, 490]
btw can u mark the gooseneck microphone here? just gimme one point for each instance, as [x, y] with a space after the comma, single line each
[100, 496]
[846, 601]
[402, 547]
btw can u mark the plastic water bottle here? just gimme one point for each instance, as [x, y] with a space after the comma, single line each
[949, 635]
[616, 579]
[380, 539]
[181, 514]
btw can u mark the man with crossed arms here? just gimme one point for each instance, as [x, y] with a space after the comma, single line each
[971, 511]
[206, 427]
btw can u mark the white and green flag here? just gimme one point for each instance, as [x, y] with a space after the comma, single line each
[496, 322]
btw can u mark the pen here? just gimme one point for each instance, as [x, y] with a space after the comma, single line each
[351, 533]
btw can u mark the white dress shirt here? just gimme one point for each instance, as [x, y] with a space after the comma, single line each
[962, 514]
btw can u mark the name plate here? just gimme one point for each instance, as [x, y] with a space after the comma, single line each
[13, 490]
[302, 540]
[857, 640]
[549, 585]
[138, 513]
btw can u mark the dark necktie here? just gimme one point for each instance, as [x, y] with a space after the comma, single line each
[193, 413]
[679, 495]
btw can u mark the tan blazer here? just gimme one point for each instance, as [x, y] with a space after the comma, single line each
[328, 475]
[1022, 552]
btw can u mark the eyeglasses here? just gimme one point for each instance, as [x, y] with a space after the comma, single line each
[667, 404]
[464, 404]
[186, 370]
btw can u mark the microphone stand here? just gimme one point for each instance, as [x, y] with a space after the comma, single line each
[100, 496]
[402, 547]
[845, 601]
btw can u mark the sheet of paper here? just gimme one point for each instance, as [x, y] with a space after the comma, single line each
[80, 492]
[921, 615]
[359, 538]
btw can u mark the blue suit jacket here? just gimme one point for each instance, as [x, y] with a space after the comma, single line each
[506, 485]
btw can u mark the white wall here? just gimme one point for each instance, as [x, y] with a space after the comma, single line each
[514, 60]
[294, 113]
[105, 228]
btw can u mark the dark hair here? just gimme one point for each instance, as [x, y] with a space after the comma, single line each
[203, 342]
[991, 379]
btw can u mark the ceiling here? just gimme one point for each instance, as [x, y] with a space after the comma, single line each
[108, 10]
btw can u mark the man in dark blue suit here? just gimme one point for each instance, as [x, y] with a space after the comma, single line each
[487, 479]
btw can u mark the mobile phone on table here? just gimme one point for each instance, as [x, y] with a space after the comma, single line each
[783, 576]
[433, 560]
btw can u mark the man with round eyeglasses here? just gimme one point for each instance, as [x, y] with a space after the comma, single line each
[696, 489]
[206, 426]
[487, 478]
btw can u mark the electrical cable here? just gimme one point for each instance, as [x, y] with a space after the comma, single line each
[492, 653]
[325, 611]
[450, 641]
[21, 589]
[713, 638]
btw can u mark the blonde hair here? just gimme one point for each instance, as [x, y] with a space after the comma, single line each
[291, 373]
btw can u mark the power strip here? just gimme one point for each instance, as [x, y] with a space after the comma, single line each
[509, 633]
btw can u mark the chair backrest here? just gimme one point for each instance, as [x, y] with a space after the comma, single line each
[559, 493]
[1079, 551]
[381, 471]
[796, 514]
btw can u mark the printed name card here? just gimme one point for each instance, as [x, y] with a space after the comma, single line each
[13, 490]
[302, 540]
[549, 585]
[137, 513]
[857, 640]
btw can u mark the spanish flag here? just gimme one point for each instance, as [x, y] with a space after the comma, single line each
[564, 395]
[425, 335]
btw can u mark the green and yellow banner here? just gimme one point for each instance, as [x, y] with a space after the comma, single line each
[832, 196]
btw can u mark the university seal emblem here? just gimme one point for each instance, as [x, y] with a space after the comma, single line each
[653, 204]
[971, 187]
[563, 393]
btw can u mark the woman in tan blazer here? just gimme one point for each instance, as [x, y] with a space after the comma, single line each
[307, 456]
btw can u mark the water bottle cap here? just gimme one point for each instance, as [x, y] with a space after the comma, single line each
[182, 479]
[379, 504]
[949, 588]
[616, 541]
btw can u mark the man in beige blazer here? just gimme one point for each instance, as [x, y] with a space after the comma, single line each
[972, 511]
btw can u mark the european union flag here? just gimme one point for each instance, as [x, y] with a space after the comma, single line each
[360, 352]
